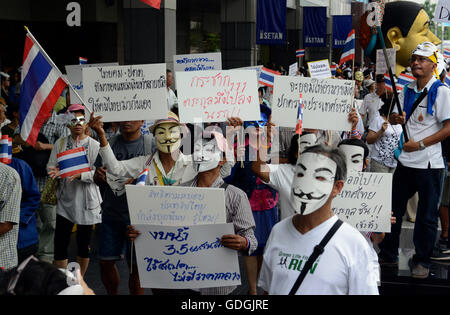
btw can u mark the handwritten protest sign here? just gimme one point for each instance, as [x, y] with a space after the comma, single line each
[185, 257]
[119, 93]
[326, 102]
[381, 61]
[293, 70]
[197, 62]
[175, 206]
[365, 201]
[214, 96]
[442, 13]
[320, 69]
[74, 75]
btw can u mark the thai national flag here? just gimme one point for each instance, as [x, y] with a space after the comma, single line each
[41, 87]
[5, 149]
[267, 77]
[446, 53]
[298, 127]
[333, 70]
[142, 178]
[72, 162]
[83, 61]
[349, 48]
[387, 81]
[300, 53]
[404, 80]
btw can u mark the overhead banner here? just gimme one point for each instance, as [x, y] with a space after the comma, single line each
[271, 22]
[314, 27]
[342, 25]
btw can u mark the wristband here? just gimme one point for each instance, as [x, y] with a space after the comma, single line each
[356, 134]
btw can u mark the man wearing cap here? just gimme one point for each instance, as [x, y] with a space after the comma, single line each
[420, 161]
[373, 101]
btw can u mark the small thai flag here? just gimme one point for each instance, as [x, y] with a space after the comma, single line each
[349, 48]
[72, 162]
[404, 80]
[300, 53]
[298, 127]
[387, 81]
[5, 149]
[333, 70]
[142, 178]
[267, 77]
[446, 53]
[83, 61]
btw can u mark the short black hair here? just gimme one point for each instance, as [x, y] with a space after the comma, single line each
[356, 142]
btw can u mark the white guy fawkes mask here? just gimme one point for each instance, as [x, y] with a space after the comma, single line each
[354, 157]
[313, 182]
[206, 155]
[168, 137]
[307, 140]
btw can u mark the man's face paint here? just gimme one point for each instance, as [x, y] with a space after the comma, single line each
[168, 137]
[307, 140]
[313, 182]
[206, 155]
[354, 156]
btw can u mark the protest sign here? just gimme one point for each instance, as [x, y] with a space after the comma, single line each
[365, 201]
[185, 257]
[326, 102]
[442, 13]
[293, 69]
[74, 75]
[197, 62]
[120, 93]
[175, 205]
[381, 66]
[215, 96]
[319, 69]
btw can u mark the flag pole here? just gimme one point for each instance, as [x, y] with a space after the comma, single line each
[54, 66]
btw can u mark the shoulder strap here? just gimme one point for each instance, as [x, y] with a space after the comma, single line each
[224, 186]
[318, 250]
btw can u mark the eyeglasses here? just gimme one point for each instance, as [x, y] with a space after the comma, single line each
[419, 59]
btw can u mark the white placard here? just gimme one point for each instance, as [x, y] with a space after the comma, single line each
[175, 205]
[215, 96]
[319, 69]
[185, 257]
[442, 13]
[326, 102]
[197, 62]
[381, 66]
[121, 93]
[293, 69]
[365, 201]
[74, 75]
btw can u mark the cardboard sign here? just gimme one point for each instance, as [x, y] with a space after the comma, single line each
[175, 205]
[365, 201]
[442, 13]
[121, 93]
[381, 66]
[185, 257]
[215, 96]
[74, 75]
[197, 62]
[320, 69]
[293, 70]
[326, 102]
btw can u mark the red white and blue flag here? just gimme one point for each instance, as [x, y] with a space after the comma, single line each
[41, 87]
[300, 53]
[333, 70]
[267, 77]
[142, 178]
[446, 53]
[83, 61]
[404, 80]
[388, 82]
[72, 162]
[5, 149]
[298, 127]
[349, 48]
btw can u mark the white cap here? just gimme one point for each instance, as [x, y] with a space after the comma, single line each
[368, 82]
[441, 65]
[425, 49]
[3, 74]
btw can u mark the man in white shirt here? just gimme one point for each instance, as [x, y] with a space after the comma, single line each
[171, 97]
[347, 265]
[373, 101]
[420, 162]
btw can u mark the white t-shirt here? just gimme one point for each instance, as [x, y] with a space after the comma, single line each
[421, 125]
[371, 104]
[281, 177]
[347, 266]
[383, 150]
[171, 98]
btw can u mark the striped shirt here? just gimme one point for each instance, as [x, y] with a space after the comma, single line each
[240, 214]
[10, 195]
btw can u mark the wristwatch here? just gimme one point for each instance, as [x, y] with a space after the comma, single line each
[422, 146]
